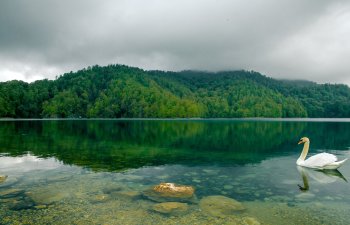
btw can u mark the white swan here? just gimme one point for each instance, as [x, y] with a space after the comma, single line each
[322, 161]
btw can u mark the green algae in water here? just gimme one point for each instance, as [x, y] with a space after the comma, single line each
[95, 172]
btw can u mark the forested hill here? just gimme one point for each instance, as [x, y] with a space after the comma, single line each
[120, 91]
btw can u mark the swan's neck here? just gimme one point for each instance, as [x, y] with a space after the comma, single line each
[304, 153]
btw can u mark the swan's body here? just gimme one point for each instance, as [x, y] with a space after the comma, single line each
[322, 161]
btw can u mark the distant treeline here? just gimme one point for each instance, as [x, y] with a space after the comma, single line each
[117, 91]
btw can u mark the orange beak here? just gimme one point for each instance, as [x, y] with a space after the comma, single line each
[300, 142]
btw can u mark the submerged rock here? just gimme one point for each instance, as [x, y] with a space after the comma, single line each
[211, 172]
[8, 181]
[168, 192]
[220, 206]
[250, 221]
[163, 177]
[3, 178]
[59, 178]
[128, 194]
[228, 187]
[173, 208]
[112, 189]
[11, 193]
[26, 203]
[40, 206]
[129, 177]
[47, 197]
[303, 196]
[99, 198]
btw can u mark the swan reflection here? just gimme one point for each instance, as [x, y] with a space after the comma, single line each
[321, 176]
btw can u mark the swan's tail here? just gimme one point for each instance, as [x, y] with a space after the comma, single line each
[335, 165]
[342, 162]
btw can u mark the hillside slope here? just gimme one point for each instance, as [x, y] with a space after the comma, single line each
[117, 91]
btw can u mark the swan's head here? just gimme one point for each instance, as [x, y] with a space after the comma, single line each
[303, 140]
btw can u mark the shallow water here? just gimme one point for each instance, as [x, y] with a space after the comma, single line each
[97, 171]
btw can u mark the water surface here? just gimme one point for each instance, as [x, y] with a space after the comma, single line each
[96, 171]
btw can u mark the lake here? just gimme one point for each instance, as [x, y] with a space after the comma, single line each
[99, 171]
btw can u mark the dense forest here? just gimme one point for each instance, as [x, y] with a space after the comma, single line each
[118, 91]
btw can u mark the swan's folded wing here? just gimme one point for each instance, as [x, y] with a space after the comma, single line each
[320, 160]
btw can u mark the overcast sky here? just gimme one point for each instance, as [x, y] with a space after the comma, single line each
[293, 39]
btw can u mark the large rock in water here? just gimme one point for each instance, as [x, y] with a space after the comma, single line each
[170, 192]
[48, 196]
[171, 208]
[2, 178]
[220, 206]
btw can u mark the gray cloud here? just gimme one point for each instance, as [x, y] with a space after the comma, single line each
[281, 38]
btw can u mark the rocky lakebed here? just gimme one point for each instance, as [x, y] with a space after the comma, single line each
[85, 197]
